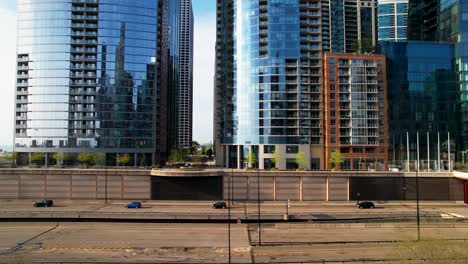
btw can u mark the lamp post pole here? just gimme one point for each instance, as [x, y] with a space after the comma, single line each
[417, 205]
[258, 209]
[417, 189]
[105, 187]
[229, 218]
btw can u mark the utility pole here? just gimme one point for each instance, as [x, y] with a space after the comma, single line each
[417, 190]
[258, 209]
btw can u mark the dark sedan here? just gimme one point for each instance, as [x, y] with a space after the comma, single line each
[365, 205]
[44, 203]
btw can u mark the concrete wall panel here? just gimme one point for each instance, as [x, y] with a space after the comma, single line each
[287, 188]
[8, 187]
[266, 188]
[338, 189]
[314, 188]
[31, 186]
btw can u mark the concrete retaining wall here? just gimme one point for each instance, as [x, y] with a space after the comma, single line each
[74, 184]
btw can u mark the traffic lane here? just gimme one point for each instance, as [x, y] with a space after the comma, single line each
[143, 235]
[138, 243]
[14, 233]
[303, 233]
[59, 206]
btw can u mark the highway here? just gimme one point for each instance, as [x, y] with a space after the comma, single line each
[183, 210]
[208, 243]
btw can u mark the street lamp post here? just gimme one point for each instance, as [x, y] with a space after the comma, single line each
[417, 205]
[229, 217]
[258, 209]
[417, 187]
[105, 187]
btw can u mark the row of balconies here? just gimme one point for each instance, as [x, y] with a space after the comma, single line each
[83, 66]
[83, 75]
[85, 1]
[84, 50]
[82, 108]
[84, 42]
[83, 58]
[81, 82]
[84, 9]
[84, 17]
[84, 33]
[84, 25]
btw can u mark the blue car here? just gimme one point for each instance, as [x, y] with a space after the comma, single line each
[133, 205]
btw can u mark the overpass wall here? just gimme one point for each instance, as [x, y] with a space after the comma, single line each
[95, 184]
[75, 184]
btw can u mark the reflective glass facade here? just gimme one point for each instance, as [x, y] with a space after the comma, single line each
[422, 97]
[393, 20]
[88, 76]
[271, 90]
[447, 21]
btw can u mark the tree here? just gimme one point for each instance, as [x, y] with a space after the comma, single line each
[37, 158]
[176, 155]
[336, 158]
[86, 158]
[209, 152]
[276, 158]
[123, 160]
[363, 46]
[301, 160]
[11, 157]
[58, 157]
[251, 159]
[99, 159]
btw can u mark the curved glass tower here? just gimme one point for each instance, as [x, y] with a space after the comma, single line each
[274, 105]
[87, 78]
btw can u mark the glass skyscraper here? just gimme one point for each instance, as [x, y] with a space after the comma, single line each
[269, 85]
[269, 96]
[92, 77]
[446, 21]
[393, 20]
[422, 97]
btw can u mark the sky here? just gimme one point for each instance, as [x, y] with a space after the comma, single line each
[204, 54]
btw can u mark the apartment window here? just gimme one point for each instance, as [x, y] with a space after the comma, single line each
[333, 131]
[332, 96]
[331, 61]
[268, 164]
[332, 87]
[332, 70]
[315, 164]
[268, 149]
[292, 149]
[291, 164]
[332, 122]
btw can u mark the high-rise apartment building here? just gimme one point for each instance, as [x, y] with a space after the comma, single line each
[268, 93]
[92, 76]
[423, 17]
[269, 86]
[393, 20]
[356, 110]
[181, 64]
[349, 25]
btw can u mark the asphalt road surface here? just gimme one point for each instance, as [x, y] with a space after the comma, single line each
[208, 243]
[241, 210]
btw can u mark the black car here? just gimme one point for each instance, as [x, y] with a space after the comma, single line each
[219, 205]
[44, 203]
[365, 205]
